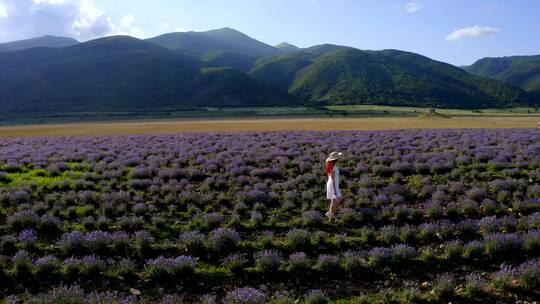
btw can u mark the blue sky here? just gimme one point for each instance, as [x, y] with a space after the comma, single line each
[454, 31]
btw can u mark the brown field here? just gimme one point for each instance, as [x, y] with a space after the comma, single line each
[278, 124]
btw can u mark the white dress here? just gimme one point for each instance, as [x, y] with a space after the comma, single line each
[330, 187]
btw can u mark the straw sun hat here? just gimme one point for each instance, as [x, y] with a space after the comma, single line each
[334, 155]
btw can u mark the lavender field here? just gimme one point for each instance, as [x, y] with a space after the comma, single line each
[429, 216]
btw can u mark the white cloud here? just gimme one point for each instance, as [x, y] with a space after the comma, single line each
[80, 19]
[3, 12]
[91, 22]
[411, 7]
[127, 20]
[179, 29]
[473, 31]
[127, 27]
[49, 1]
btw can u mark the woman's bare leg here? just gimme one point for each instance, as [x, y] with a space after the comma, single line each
[340, 200]
[331, 211]
[335, 205]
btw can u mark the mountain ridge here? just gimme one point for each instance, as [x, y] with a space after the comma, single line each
[225, 67]
[393, 77]
[287, 48]
[121, 72]
[520, 71]
[42, 41]
[224, 39]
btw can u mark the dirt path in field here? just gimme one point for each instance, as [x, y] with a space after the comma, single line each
[277, 124]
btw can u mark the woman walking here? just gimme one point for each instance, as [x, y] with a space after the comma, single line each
[332, 185]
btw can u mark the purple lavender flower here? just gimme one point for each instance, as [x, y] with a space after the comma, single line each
[22, 256]
[398, 177]
[474, 284]
[402, 253]
[119, 239]
[24, 219]
[73, 241]
[502, 243]
[531, 242]
[209, 220]
[208, 299]
[378, 256]
[352, 261]
[193, 241]
[252, 196]
[48, 259]
[12, 299]
[452, 249]
[381, 200]
[529, 273]
[434, 209]
[97, 240]
[299, 261]
[533, 220]
[444, 284]
[165, 268]
[246, 295]
[476, 194]
[223, 239]
[142, 209]
[235, 262]
[91, 265]
[312, 218]
[316, 296]
[473, 249]
[143, 237]
[46, 266]
[428, 231]
[489, 224]
[256, 218]
[298, 238]
[328, 263]
[272, 173]
[267, 260]
[28, 236]
[142, 173]
[58, 294]
[502, 280]
[20, 197]
[500, 184]
[526, 206]
[174, 299]
[389, 234]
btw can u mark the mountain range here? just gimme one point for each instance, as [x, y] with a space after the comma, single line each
[45, 41]
[228, 68]
[518, 71]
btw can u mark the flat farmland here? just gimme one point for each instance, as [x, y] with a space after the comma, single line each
[264, 124]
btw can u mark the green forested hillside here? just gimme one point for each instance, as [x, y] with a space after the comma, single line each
[228, 68]
[234, 60]
[120, 73]
[384, 77]
[287, 48]
[519, 71]
[281, 71]
[226, 86]
[225, 39]
[44, 41]
[322, 49]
